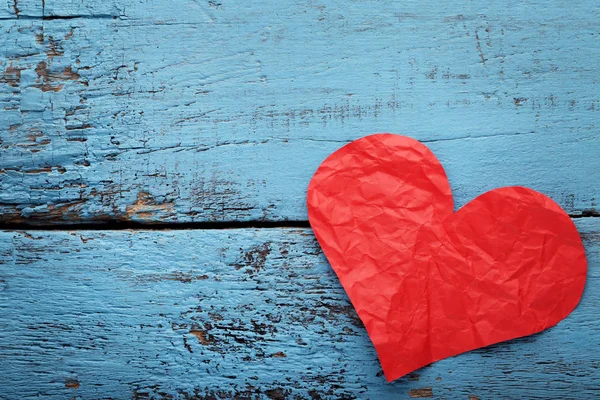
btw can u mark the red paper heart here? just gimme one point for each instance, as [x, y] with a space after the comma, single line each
[429, 283]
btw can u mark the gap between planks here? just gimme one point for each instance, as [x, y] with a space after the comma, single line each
[132, 225]
[158, 226]
[54, 17]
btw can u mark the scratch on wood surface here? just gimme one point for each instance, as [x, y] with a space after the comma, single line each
[146, 207]
[72, 383]
[50, 81]
[202, 336]
[479, 48]
[11, 75]
[255, 258]
[15, 9]
[420, 393]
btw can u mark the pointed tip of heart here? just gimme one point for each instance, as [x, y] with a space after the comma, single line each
[392, 375]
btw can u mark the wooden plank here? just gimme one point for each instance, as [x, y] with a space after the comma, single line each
[197, 111]
[156, 11]
[254, 313]
[28, 9]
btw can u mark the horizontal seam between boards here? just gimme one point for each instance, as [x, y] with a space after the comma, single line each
[54, 17]
[166, 226]
[154, 226]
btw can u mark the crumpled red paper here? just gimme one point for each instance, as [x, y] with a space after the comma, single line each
[429, 283]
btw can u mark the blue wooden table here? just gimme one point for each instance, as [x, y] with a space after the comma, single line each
[154, 160]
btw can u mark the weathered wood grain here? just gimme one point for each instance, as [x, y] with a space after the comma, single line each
[211, 111]
[193, 111]
[247, 313]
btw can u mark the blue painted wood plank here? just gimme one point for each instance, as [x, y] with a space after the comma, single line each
[254, 313]
[27, 9]
[211, 111]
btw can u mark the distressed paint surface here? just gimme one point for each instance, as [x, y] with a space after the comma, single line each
[192, 111]
[253, 313]
[200, 111]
